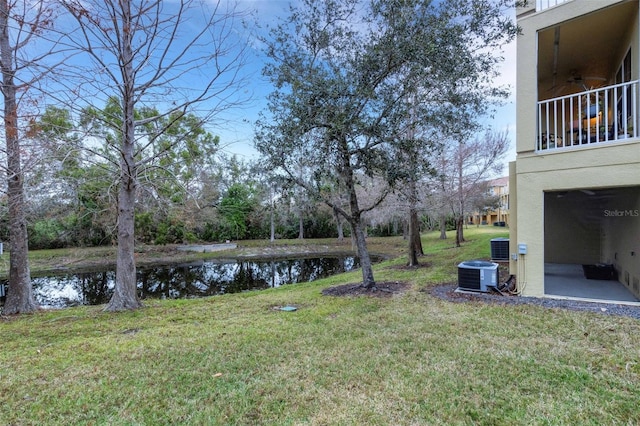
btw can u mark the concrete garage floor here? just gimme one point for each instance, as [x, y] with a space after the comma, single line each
[567, 280]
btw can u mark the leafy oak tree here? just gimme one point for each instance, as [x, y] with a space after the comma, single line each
[348, 74]
[180, 57]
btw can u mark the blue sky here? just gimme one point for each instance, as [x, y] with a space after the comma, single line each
[237, 136]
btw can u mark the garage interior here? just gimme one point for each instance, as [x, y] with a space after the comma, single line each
[592, 244]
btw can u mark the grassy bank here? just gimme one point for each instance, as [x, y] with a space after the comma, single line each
[409, 359]
[51, 261]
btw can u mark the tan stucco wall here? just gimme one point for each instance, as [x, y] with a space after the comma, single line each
[530, 267]
[587, 160]
[603, 165]
[513, 215]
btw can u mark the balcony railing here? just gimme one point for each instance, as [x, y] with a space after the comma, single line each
[546, 4]
[606, 114]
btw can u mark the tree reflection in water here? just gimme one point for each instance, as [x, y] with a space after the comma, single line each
[188, 281]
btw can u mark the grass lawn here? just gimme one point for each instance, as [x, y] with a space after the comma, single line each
[411, 359]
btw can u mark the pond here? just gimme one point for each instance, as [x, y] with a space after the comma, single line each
[187, 280]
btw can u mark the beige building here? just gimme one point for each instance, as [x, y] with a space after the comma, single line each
[497, 188]
[575, 184]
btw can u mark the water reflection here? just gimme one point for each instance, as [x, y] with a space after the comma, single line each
[187, 281]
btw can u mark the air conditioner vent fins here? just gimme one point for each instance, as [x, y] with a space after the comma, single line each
[477, 275]
[500, 249]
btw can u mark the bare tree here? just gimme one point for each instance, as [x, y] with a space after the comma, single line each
[180, 57]
[463, 168]
[21, 23]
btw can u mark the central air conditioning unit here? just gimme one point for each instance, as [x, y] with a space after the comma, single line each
[477, 275]
[500, 249]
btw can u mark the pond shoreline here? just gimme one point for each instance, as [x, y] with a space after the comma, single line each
[58, 261]
[195, 279]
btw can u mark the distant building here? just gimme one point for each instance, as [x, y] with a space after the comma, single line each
[499, 216]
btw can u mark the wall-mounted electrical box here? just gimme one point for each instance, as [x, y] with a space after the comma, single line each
[522, 248]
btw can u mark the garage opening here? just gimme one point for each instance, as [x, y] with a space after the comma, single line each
[592, 244]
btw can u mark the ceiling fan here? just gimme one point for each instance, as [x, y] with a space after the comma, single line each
[582, 81]
[579, 81]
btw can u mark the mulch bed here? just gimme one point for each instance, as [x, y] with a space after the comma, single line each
[381, 289]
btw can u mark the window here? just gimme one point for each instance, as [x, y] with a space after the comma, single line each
[623, 95]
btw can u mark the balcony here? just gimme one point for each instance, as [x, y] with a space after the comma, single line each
[607, 114]
[545, 4]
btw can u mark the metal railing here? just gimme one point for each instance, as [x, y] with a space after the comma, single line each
[599, 115]
[546, 4]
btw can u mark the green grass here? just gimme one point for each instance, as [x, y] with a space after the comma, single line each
[406, 360]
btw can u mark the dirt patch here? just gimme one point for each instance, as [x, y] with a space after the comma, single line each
[382, 289]
[448, 292]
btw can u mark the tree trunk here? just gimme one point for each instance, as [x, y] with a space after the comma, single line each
[413, 253]
[355, 217]
[125, 295]
[20, 293]
[300, 226]
[417, 237]
[461, 198]
[363, 255]
[336, 216]
[273, 227]
[415, 243]
[125, 292]
[443, 227]
[272, 219]
[459, 236]
[360, 239]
